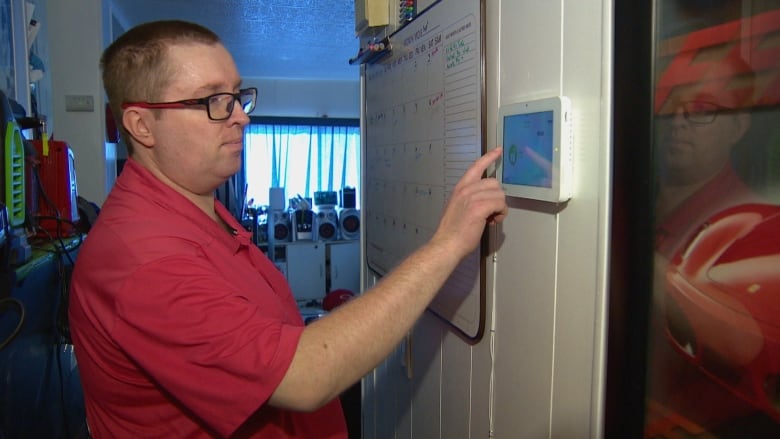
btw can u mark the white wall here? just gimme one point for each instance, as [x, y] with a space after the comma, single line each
[76, 39]
[551, 301]
[544, 354]
[306, 98]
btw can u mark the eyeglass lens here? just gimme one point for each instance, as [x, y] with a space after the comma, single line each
[700, 112]
[221, 105]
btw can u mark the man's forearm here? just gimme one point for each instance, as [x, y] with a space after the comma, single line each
[354, 338]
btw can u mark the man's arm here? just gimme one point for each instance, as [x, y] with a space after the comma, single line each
[337, 350]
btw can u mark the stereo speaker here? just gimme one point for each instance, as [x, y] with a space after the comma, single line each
[349, 223]
[327, 224]
[279, 228]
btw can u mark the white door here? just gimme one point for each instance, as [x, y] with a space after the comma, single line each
[306, 269]
[345, 265]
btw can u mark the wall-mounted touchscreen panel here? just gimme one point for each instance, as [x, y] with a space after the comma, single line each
[536, 137]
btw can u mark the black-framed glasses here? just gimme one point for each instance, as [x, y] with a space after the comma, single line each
[219, 106]
[701, 112]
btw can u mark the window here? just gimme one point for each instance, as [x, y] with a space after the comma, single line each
[301, 155]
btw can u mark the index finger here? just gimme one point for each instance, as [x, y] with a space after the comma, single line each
[475, 171]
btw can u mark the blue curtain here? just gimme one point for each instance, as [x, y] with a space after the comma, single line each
[300, 158]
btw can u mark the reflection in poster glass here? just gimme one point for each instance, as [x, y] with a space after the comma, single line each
[714, 347]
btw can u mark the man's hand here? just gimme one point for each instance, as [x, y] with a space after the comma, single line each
[475, 202]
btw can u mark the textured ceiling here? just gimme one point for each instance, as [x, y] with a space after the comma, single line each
[301, 39]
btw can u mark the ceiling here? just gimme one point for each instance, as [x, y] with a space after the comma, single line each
[291, 39]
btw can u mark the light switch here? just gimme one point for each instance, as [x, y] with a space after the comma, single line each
[79, 103]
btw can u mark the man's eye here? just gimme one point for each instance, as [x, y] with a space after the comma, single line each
[219, 98]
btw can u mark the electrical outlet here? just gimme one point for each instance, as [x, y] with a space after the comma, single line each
[79, 103]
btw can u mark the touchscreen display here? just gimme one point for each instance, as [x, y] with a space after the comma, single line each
[528, 149]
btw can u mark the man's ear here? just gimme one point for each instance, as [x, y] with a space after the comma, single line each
[137, 123]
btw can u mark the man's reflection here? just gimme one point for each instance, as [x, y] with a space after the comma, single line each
[696, 177]
[697, 132]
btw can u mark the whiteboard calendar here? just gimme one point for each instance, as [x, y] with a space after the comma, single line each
[424, 126]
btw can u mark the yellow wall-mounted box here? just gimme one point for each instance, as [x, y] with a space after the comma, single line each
[371, 13]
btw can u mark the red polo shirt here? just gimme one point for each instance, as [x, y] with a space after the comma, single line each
[673, 381]
[725, 190]
[180, 328]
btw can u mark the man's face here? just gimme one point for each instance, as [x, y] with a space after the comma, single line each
[196, 153]
[696, 140]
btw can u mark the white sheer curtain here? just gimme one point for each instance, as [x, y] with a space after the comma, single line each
[301, 158]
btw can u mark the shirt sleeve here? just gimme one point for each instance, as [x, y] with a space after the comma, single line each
[218, 351]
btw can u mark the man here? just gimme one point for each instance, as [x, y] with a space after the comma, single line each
[698, 130]
[697, 138]
[182, 328]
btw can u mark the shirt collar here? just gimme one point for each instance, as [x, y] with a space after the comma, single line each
[165, 196]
